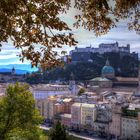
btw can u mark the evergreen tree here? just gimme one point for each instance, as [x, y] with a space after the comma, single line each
[58, 132]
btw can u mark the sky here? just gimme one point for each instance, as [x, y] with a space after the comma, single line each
[121, 34]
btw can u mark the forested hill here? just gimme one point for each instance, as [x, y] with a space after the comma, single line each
[126, 66]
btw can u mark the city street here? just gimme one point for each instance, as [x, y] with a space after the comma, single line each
[75, 135]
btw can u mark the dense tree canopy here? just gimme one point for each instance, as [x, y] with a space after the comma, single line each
[33, 23]
[18, 117]
[58, 132]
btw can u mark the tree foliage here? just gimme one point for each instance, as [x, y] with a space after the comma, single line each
[31, 22]
[58, 132]
[82, 90]
[102, 15]
[18, 117]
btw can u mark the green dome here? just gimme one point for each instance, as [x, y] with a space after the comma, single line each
[108, 70]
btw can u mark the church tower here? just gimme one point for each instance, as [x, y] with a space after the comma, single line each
[72, 85]
[13, 71]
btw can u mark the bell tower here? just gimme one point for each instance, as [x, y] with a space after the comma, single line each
[72, 85]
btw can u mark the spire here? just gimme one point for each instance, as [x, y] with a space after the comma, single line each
[72, 76]
[107, 62]
[13, 70]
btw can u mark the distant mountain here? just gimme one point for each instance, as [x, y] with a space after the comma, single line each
[20, 68]
[17, 71]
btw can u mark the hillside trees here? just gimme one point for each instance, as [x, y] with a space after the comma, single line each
[124, 65]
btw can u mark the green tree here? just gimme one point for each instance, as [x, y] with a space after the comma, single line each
[58, 132]
[82, 90]
[31, 22]
[18, 117]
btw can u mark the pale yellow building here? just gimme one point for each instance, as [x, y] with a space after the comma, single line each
[83, 115]
[50, 107]
[88, 114]
[76, 115]
[46, 107]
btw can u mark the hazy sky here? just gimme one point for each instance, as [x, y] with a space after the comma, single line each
[121, 34]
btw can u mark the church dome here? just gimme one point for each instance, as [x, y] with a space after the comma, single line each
[108, 71]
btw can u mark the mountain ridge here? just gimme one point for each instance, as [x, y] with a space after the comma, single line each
[19, 68]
